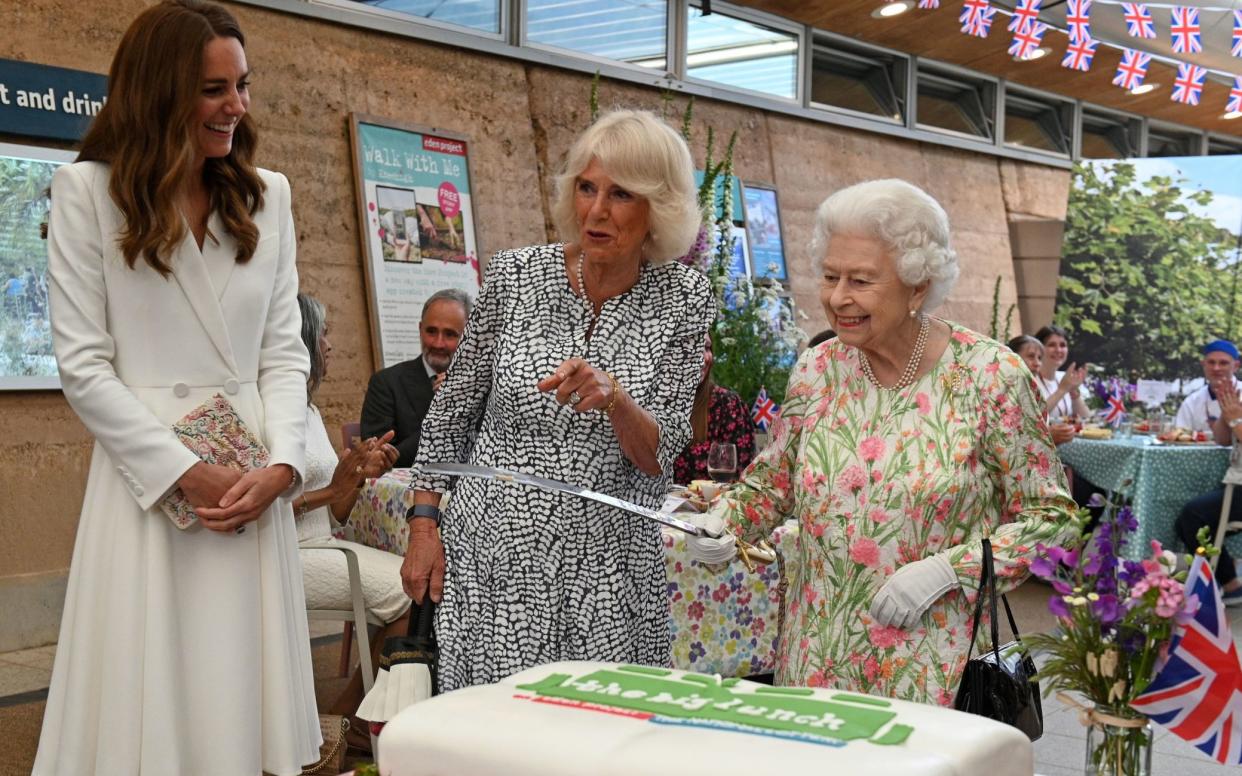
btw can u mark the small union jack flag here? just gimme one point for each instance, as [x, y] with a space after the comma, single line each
[1198, 693]
[1078, 19]
[1184, 30]
[1235, 96]
[1024, 13]
[972, 8]
[1027, 39]
[1236, 48]
[1138, 21]
[1188, 85]
[929, 3]
[764, 410]
[979, 24]
[1079, 54]
[1116, 408]
[1132, 70]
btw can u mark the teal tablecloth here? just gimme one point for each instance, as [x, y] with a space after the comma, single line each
[1158, 479]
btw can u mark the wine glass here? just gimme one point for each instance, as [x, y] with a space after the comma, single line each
[722, 462]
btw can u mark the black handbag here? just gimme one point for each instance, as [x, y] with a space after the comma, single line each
[1000, 684]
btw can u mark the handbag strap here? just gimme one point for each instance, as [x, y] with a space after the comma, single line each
[987, 587]
[422, 617]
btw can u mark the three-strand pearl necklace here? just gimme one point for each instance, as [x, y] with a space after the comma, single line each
[912, 366]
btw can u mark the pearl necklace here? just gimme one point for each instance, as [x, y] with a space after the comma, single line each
[912, 366]
[582, 291]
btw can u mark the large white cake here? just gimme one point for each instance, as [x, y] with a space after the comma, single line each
[603, 718]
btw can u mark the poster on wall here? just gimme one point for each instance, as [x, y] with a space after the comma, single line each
[418, 229]
[1151, 268]
[763, 227]
[26, 359]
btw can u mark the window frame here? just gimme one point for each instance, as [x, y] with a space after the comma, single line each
[760, 18]
[901, 91]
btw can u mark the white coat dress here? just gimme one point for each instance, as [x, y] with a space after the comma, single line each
[181, 653]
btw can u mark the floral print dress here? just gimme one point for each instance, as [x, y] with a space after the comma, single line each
[728, 420]
[878, 479]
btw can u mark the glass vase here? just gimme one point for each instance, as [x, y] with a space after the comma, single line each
[1118, 750]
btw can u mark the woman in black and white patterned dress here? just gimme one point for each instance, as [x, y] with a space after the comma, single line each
[579, 362]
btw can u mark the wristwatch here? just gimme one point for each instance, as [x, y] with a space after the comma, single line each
[1235, 423]
[424, 510]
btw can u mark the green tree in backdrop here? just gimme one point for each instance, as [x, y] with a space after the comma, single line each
[1145, 278]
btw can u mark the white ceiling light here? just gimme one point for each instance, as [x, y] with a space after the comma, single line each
[1145, 88]
[1038, 53]
[1233, 114]
[889, 10]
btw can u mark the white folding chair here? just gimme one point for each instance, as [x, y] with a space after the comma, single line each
[1224, 525]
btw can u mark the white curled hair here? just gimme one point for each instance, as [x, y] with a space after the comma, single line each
[644, 156]
[906, 219]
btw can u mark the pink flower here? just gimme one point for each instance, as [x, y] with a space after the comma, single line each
[871, 448]
[865, 552]
[879, 515]
[816, 679]
[886, 636]
[853, 479]
[924, 403]
[870, 668]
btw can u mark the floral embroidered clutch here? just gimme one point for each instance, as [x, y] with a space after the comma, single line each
[215, 433]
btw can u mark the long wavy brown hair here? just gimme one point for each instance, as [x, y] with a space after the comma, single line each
[146, 133]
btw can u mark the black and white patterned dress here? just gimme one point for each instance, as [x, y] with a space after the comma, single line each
[535, 577]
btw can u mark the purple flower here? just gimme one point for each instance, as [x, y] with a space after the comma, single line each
[1062, 587]
[1131, 572]
[1057, 606]
[1043, 567]
[1107, 609]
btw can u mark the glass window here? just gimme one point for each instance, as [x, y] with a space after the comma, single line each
[1170, 142]
[955, 103]
[741, 54]
[858, 79]
[475, 14]
[1039, 123]
[626, 30]
[1105, 136]
[1218, 146]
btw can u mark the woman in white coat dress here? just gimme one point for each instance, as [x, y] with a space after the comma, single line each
[171, 260]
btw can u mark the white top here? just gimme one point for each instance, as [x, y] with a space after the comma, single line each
[1199, 410]
[1049, 387]
[320, 464]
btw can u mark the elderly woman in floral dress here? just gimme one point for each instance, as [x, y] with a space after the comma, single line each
[901, 444]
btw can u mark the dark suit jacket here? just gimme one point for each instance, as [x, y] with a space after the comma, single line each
[397, 398]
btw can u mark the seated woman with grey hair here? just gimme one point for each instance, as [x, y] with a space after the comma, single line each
[901, 444]
[579, 362]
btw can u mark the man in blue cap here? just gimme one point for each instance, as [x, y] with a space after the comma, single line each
[1201, 409]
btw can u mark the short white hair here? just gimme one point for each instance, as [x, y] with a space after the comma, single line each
[906, 219]
[644, 156]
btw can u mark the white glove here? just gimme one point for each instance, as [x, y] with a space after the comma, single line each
[907, 594]
[708, 550]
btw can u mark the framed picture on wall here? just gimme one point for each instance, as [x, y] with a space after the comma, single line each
[763, 230]
[417, 227]
[26, 359]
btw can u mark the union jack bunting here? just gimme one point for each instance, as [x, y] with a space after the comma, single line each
[1132, 70]
[1235, 96]
[971, 9]
[1198, 693]
[1189, 83]
[1079, 54]
[929, 3]
[979, 24]
[1236, 48]
[1138, 21]
[1184, 29]
[1025, 12]
[1027, 39]
[1078, 19]
[764, 410]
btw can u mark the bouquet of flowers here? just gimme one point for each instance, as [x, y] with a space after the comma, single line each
[1116, 618]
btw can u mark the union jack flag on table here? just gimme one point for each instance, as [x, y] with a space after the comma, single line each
[1198, 693]
[1138, 21]
[1078, 20]
[1236, 48]
[1184, 30]
[1079, 54]
[978, 24]
[1116, 408]
[764, 410]
[1235, 96]
[1188, 85]
[1027, 40]
[1132, 70]
[1024, 13]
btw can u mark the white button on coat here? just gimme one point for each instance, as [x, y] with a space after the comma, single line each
[231, 386]
[181, 390]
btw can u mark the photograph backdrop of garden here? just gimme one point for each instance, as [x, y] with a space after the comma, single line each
[25, 333]
[1150, 264]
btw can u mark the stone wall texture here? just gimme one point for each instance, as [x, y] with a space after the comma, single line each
[310, 75]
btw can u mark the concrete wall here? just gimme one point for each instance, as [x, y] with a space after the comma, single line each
[309, 76]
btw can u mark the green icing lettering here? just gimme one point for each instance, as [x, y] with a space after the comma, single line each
[845, 717]
[645, 670]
